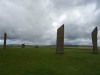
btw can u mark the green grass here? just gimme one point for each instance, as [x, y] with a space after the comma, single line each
[44, 61]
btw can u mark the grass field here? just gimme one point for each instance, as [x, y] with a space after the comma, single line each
[44, 61]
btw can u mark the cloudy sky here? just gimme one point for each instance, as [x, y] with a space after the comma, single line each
[36, 21]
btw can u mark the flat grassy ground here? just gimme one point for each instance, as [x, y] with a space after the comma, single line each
[44, 61]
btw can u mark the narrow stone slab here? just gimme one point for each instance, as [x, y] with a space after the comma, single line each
[5, 37]
[94, 40]
[23, 45]
[60, 40]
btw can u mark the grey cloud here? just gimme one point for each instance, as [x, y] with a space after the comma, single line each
[25, 20]
[73, 32]
[69, 4]
[36, 21]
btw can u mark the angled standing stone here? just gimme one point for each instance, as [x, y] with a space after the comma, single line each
[60, 40]
[23, 45]
[5, 37]
[94, 40]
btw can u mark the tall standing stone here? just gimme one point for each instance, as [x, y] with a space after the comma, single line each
[5, 37]
[60, 40]
[23, 45]
[94, 40]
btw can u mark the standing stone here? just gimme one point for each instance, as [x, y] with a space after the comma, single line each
[23, 45]
[5, 37]
[94, 40]
[60, 40]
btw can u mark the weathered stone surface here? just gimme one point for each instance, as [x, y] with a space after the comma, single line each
[94, 40]
[23, 45]
[60, 40]
[5, 37]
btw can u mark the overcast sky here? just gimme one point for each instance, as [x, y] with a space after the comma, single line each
[36, 21]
